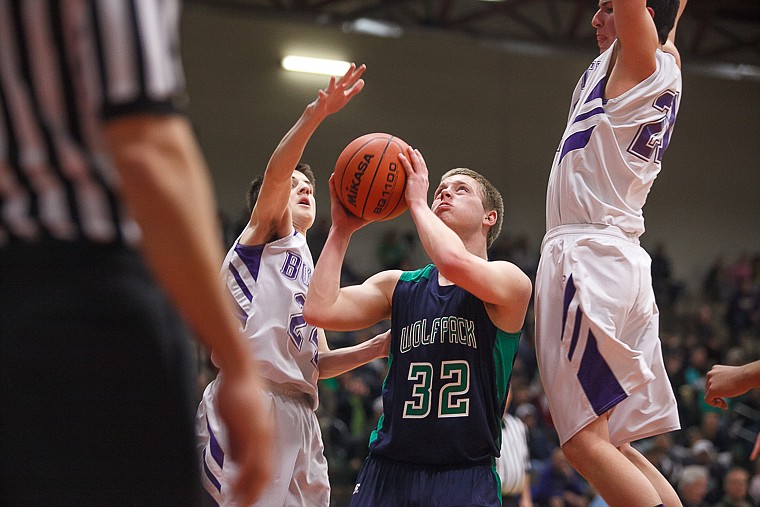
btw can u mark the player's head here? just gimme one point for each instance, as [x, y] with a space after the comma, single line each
[302, 188]
[663, 13]
[489, 197]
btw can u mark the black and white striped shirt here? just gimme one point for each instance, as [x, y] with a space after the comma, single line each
[66, 68]
[514, 462]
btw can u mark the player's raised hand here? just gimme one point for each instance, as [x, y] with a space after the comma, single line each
[250, 429]
[340, 91]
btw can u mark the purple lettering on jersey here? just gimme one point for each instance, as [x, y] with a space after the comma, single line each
[653, 137]
[314, 339]
[591, 68]
[599, 383]
[295, 324]
[292, 265]
[306, 274]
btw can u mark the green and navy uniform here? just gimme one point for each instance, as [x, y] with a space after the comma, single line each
[446, 388]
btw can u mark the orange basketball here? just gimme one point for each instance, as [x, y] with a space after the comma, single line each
[369, 177]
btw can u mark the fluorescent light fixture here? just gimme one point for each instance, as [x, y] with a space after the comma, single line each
[315, 65]
[375, 27]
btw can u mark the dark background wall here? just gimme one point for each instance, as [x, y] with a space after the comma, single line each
[463, 103]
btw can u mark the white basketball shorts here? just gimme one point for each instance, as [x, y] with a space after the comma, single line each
[597, 340]
[300, 475]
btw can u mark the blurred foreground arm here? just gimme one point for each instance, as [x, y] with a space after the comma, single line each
[165, 184]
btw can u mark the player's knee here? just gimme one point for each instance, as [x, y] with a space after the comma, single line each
[629, 452]
[574, 451]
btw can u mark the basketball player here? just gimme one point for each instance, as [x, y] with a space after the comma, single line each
[596, 319]
[267, 273]
[455, 326]
[107, 229]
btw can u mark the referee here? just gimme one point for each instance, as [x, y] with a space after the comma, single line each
[96, 160]
[513, 465]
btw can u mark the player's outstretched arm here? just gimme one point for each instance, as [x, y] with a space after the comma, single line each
[165, 184]
[335, 362]
[730, 381]
[349, 308]
[271, 208]
[670, 45]
[637, 45]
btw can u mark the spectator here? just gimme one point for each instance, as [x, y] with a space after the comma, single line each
[703, 454]
[743, 310]
[692, 486]
[541, 441]
[717, 284]
[735, 489]
[559, 485]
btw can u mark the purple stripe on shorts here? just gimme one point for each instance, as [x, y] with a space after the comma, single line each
[210, 476]
[216, 450]
[569, 295]
[576, 333]
[599, 383]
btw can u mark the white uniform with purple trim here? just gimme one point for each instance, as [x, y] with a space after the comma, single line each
[269, 284]
[597, 322]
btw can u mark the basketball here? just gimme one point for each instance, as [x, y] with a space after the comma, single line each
[369, 177]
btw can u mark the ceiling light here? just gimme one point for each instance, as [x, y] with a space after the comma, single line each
[376, 27]
[315, 65]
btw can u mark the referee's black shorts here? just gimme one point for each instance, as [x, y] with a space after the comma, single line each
[97, 395]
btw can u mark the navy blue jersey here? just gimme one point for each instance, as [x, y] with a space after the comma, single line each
[449, 368]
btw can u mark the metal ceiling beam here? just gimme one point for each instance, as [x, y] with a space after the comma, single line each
[727, 31]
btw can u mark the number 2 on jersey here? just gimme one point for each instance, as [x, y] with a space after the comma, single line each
[451, 399]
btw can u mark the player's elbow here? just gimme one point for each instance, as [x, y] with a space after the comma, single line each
[314, 315]
[311, 314]
[453, 264]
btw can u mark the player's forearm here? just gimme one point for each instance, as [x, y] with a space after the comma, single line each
[291, 147]
[442, 245]
[749, 377]
[166, 187]
[324, 286]
[670, 44]
[672, 34]
[335, 362]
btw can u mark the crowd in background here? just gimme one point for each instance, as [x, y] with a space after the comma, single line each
[707, 460]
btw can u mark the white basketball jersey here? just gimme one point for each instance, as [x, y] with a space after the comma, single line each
[269, 284]
[611, 150]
